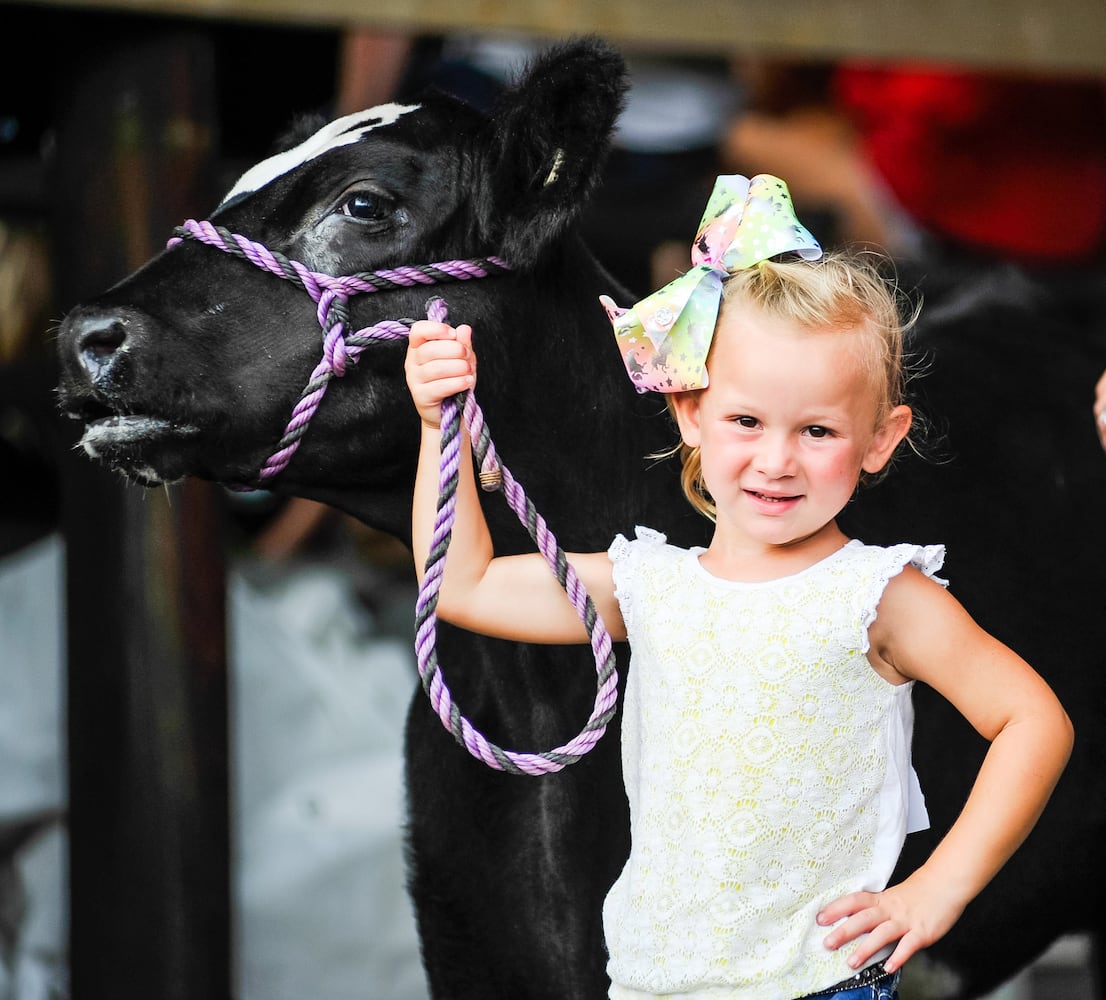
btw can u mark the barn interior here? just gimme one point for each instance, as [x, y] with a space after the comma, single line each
[182, 805]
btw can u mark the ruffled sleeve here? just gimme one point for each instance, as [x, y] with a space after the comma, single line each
[625, 556]
[927, 559]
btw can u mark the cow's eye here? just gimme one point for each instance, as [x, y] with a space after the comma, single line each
[367, 206]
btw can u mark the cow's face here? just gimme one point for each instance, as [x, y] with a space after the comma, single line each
[192, 365]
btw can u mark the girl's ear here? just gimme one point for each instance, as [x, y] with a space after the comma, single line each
[686, 407]
[887, 438]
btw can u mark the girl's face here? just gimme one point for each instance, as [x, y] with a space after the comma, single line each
[785, 426]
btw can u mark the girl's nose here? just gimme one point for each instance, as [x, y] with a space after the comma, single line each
[775, 457]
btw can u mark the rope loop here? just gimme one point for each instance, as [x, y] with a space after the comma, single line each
[606, 697]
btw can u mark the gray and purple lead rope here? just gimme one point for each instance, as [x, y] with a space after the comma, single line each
[340, 349]
[495, 475]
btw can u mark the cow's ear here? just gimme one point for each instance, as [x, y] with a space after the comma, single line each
[548, 139]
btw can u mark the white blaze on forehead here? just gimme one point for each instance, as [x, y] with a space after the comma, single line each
[340, 132]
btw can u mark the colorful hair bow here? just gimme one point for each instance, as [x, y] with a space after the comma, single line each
[664, 338]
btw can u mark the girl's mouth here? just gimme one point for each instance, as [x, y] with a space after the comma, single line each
[769, 498]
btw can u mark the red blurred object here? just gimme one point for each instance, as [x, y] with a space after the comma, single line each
[1008, 164]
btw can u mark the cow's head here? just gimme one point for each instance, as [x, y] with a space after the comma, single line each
[192, 365]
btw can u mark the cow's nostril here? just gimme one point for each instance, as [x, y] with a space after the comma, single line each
[102, 339]
[98, 343]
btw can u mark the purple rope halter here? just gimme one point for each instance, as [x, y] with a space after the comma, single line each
[332, 296]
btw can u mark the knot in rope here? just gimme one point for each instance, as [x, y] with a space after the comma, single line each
[334, 350]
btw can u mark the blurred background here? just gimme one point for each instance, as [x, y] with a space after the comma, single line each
[202, 693]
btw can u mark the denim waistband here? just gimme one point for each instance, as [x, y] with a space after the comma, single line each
[872, 983]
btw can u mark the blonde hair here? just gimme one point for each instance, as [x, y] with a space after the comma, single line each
[843, 290]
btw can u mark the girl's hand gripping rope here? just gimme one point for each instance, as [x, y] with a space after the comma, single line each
[440, 363]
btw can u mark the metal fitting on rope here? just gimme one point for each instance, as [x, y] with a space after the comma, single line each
[491, 479]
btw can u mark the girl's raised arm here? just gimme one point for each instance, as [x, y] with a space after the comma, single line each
[512, 597]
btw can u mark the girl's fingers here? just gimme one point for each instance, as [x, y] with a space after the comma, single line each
[424, 330]
[447, 387]
[440, 362]
[445, 370]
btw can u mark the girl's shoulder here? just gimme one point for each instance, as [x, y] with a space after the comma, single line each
[646, 569]
[645, 540]
[879, 565]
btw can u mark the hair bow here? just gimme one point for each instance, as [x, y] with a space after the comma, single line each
[664, 338]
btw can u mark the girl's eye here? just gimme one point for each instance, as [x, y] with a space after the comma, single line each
[750, 422]
[817, 431]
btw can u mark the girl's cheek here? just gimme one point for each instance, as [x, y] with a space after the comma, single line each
[843, 466]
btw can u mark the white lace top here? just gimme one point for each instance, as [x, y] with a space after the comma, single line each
[767, 767]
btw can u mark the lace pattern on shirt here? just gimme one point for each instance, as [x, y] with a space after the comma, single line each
[757, 744]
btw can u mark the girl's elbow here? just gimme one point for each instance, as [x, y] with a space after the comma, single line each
[1067, 734]
[1060, 738]
[1059, 729]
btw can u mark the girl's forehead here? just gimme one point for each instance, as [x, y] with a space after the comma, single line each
[752, 331]
[826, 361]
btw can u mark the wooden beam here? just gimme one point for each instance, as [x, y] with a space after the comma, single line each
[1065, 36]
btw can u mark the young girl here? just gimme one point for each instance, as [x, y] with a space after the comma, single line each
[767, 719]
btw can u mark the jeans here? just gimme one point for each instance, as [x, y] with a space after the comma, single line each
[884, 988]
